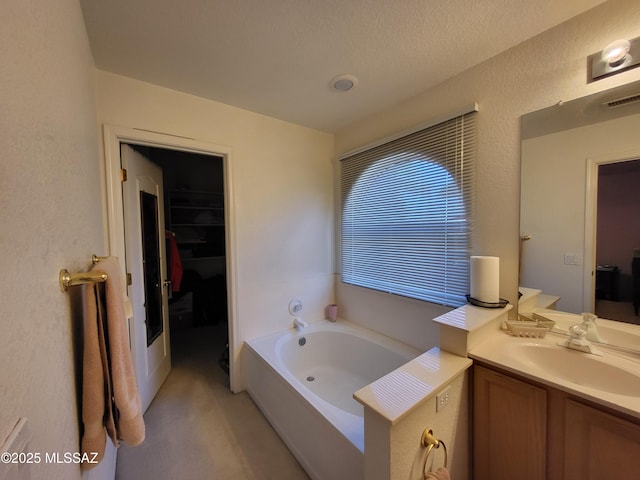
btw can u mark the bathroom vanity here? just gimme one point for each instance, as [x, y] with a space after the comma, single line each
[530, 424]
[528, 430]
[542, 410]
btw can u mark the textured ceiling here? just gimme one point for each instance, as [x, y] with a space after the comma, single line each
[277, 57]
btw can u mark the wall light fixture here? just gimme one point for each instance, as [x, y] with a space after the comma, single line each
[618, 56]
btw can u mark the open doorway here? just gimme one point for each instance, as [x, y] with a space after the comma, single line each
[114, 137]
[194, 219]
[617, 282]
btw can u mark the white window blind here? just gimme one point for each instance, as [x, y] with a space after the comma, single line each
[407, 213]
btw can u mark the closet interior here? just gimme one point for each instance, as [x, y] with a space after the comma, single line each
[194, 218]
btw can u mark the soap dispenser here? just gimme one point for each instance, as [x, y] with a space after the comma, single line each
[589, 324]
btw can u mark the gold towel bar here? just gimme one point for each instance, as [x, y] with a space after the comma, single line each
[428, 441]
[72, 279]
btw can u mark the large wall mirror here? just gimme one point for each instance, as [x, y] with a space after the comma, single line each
[580, 203]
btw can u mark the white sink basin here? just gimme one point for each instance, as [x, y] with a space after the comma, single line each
[579, 368]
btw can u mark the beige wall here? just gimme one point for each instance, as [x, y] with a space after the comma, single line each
[282, 204]
[535, 74]
[51, 217]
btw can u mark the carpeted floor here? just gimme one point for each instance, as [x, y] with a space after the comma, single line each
[622, 311]
[198, 430]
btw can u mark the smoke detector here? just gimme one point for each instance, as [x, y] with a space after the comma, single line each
[344, 83]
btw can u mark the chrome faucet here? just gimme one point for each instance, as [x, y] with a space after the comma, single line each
[578, 340]
[299, 324]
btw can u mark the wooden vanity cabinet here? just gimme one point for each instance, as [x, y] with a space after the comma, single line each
[509, 428]
[599, 445]
[524, 430]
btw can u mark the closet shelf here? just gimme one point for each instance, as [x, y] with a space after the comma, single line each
[197, 219]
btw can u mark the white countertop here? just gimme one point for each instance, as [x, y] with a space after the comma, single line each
[470, 318]
[399, 392]
[497, 350]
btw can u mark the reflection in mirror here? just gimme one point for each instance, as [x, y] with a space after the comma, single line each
[623, 337]
[580, 203]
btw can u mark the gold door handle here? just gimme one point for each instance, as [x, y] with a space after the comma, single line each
[168, 284]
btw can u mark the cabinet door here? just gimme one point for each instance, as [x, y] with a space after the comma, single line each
[509, 439]
[599, 445]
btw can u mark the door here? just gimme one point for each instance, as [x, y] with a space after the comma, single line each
[143, 206]
[599, 445]
[509, 428]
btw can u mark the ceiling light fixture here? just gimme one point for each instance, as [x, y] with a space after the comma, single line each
[618, 56]
[343, 83]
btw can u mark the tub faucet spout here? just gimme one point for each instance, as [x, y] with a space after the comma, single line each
[299, 323]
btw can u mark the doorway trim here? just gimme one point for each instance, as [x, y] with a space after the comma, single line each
[591, 220]
[113, 136]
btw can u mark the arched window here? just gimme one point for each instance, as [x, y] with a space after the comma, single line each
[407, 214]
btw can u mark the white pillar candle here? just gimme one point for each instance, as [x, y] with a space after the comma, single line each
[485, 279]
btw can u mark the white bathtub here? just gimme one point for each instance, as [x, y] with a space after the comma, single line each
[304, 383]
